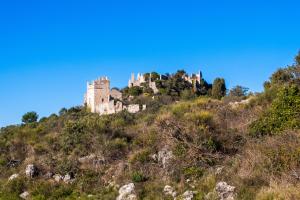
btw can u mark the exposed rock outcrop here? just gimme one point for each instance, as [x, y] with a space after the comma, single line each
[31, 171]
[169, 190]
[12, 177]
[68, 178]
[58, 177]
[127, 192]
[24, 195]
[225, 191]
[188, 195]
[164, 156]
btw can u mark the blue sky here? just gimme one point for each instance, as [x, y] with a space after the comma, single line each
[50, 48]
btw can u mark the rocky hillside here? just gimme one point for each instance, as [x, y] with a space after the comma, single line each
[239, 146]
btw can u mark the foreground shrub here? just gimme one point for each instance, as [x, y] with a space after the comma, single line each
[282, 115]
[138, 177]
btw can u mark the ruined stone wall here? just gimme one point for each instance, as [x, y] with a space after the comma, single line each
[98, 93]
[116, 94]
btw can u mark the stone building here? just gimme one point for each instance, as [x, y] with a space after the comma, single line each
[194, 79]
[136, 82]
[99, 98]
[141, 79]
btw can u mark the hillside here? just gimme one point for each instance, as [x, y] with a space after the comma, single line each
[184, 146]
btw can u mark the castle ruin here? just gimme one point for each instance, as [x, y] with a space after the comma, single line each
[140, 80]
[99, 98]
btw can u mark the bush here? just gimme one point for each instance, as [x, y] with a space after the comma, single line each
[193, 172]
[283, 114]
[200, 118]
[135, 91]
[142, 156]
[30, 117]
[138, 177]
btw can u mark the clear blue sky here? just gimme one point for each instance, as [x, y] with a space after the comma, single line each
[50, 48]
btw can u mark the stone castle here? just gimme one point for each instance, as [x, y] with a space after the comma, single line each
[140, 80]
[99, 98]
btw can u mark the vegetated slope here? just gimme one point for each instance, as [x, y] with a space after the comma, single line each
[188, 144]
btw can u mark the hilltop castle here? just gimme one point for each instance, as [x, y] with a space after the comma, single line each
[99, 98]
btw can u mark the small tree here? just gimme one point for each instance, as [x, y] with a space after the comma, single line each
[30, 117]
[135, 91]
[238, 91]
[297, 58]
[218, 88]
[62, 111]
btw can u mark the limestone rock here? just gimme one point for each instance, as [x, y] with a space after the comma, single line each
[188, 195]
[164, 157]
[133, 108]
[68, 178]
[87, 159]
[169, 190]
[12, 177]
[225, 191]
[219, 170]
[154, 157]
[31, 171]
[24, 195]
[57, 177]
[127, 192]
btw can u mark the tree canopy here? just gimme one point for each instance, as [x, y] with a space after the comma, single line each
[30, 117]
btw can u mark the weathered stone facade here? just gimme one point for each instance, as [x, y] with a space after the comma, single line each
[98, 93]
[99, 98]
[141, 79]
[136, 82]
[194, 77]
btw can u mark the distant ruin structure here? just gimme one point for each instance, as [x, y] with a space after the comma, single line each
[140, 80]
[99, 98]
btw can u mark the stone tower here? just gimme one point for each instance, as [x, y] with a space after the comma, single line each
[98, 92]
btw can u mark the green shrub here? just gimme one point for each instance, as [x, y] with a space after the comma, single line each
[138, 177]
[142, 156]
[30, 117]
[200, 118]
[179, 150]
[193, 172]
[283, 114]
[117, 144]
[180, 109]
[212, 144]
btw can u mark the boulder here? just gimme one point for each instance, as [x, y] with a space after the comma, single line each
[188, 195]
[225, 191]
[169, 190]
[127, 192]
[68, 178]
[219, 170]
[31, 171]
[164, 156]
[12, 177]
[24, 195]
[133, 108]
[57, 177]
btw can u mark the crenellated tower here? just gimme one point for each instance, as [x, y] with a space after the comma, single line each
[98, 92]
